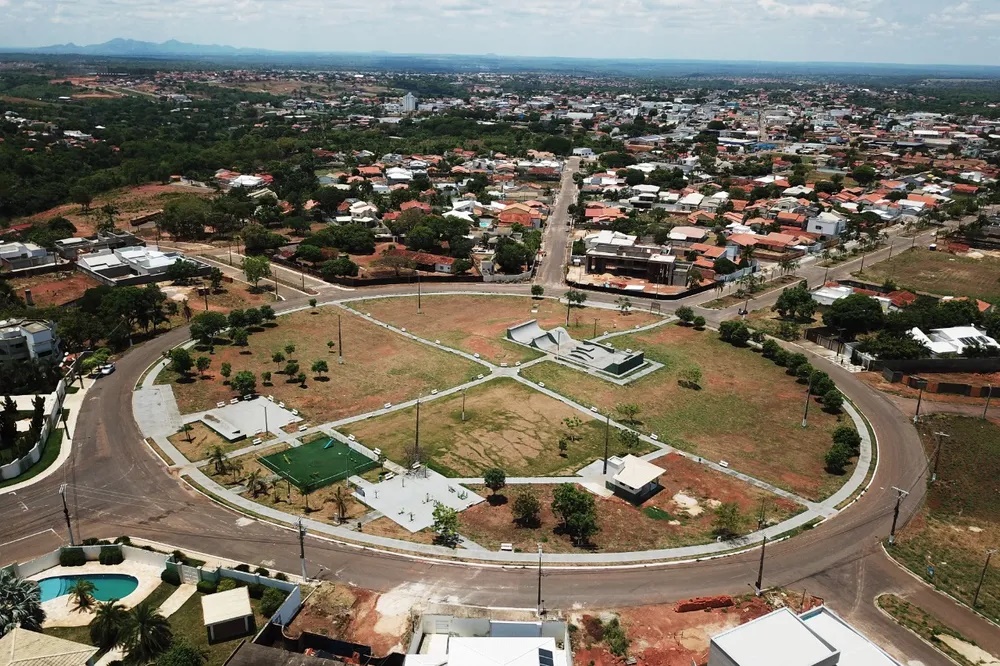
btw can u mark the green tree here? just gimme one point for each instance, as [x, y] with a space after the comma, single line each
[691, 376]
[244, 382]
[526, 508]
[239, 336]
[289, 349]
[833, 401]
[217, 459]
[182, 653]
[203, 364]
[256, 269]
[445, 525]
[865, 175]
[81, 594]
[108, 623]
[146, 635]
[312, 303]
[206, 325]
[215, 278]
[575, 298]
[629, 439]
[837, 459]
[855, 314]
[291, 368]
[685, 314]
[577, 510]
[20, 603]
[267, 312]
[320, 366]
[301, 379]
[278, 357]
[494, 479]
[624, 304]
[226, 370]
[848, 437]
[699, 322]
[537, 290]
[628, 412]
[271, 601]
[728, 523]
[181, 361]
[266, 376]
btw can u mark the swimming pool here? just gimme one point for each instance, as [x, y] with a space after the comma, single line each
[106, 586]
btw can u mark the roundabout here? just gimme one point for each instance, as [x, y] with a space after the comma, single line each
[118, 485]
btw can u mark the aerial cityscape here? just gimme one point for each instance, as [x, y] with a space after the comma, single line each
[394, 351]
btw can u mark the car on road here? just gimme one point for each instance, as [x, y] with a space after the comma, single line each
[107, 369]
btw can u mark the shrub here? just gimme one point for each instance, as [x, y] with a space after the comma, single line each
[280, 576]
[170, 577]
[833, 401]
[271, 601]
[837, 459]
[769, 349]
[261, 571]
[110, 555]
[256, 590]
[803, 373]
[72, 557]
[207, 587]
[699, 323]
[227, 584]
[847, 437]
[242, 567]
[685, 314]
[794, 361]
[781, 357]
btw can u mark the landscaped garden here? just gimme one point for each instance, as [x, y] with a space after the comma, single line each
[718, 401]
[507, 425]
[946, 543]
[293, 359]
[478, 324]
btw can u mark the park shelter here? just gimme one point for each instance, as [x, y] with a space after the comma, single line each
[227, 614]
[633, 477]
[20, 647]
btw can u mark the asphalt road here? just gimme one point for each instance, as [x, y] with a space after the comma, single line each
[117, 485]
[556, 240]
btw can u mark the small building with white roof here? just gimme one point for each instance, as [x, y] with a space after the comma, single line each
[633, 478]
[446, 640]
[228, 614]
[954, 340]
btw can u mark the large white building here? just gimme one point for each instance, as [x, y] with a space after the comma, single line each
[23, 339]
[445, 640]
[133, 265]
[409, 103]
[818, 637]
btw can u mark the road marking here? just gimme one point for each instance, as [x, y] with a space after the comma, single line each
[7, 543]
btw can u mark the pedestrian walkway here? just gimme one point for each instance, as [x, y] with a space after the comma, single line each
[180, 596]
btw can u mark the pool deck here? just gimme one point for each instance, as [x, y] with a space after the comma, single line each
[59, 611]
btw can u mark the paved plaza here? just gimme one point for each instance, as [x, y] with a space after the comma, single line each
[409, 499]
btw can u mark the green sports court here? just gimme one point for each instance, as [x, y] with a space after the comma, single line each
[318, 463]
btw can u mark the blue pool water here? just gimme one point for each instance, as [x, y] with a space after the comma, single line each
[106, 586]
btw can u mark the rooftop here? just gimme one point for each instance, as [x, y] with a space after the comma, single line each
[225, 606]
[21, 647]
[781, 634]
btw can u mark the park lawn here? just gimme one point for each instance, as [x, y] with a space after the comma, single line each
[508, 425]
[961, 517]
[188, 624]
[380, 366]
[198, 443]
[747, 412]
[660, 522]
[941, 273]
[478, 324]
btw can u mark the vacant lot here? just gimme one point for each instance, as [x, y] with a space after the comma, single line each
[961, 518]
[199, 441]
[380, 366]
[54, 289]
[478, 324]
[747, 411]
[682, 514]
[508, 425]
[940, 273]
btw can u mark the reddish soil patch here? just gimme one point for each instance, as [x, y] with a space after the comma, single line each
[876, 381]
[660, 636]
[478, 324]
[346, 613]
[55, 289]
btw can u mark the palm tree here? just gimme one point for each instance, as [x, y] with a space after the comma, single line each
[218, 459]
[20, 603]
[255, 484]
[146, 635]
[82, 595]
[341, 501]
[108, 624]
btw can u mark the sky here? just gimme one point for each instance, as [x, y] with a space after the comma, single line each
[895, 31]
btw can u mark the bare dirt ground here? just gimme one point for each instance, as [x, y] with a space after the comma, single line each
[130, 202]
[54, 289]
[478, 324]
[508, 425]
[876, 381]
[659, 635]
[380, 366]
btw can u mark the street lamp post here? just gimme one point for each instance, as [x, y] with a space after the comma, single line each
[463, 403]
[69, 527]
[538, 605]
[805, 412]
[900, 494]
[340, 343]
[607, 434]
[989, 394]
[982, 577]
[921, 385]
[937, 454]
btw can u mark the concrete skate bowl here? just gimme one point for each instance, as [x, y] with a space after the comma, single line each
[589, 353]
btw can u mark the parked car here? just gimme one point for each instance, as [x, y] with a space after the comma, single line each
[107, 369]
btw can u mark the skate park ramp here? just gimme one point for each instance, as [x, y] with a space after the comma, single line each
[591, 354]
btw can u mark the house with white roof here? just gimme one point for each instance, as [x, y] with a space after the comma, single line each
[633, 478]
[690, 202]
[134, 265]
[446, 640]
[954, 340]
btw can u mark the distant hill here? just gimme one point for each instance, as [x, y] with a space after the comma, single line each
[133, 48]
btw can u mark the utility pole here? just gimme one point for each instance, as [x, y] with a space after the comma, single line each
[607, 434]
[982, 577]
[275, 286]
[66, 425]
[302, 549]
[825, 274]
[206, 298]
[69, 527]
[340, 343]
[418, 293]
[805, 412]
[762, 516]
[538, 606]
[900, 494]
[416, 439]
[760, 568]
[921, 385]
[890, 250]
[937, 454]
[265, 418]
[989, 395]
[463, 403]
[569, 304]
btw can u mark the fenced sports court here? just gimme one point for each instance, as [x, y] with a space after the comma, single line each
[318, 464]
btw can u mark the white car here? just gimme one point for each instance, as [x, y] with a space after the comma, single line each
[107, 369]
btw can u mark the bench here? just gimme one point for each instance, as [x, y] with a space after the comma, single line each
[723, 463]
[281, 404]
[257, 441]
[295, 411]
[303, 428]
[220, 404]
[507, 548]
[234, 401]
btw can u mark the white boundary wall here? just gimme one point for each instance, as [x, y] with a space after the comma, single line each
[23, 464]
